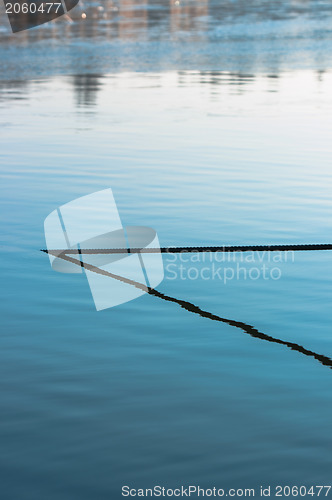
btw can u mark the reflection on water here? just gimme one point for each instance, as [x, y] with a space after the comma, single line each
[224, 140]
[16, 90]
[86, 88]
[144, 393]
[159, 18]
[188, 306]
[306, 89]
[235, 36]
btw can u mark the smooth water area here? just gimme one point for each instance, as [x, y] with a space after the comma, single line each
[148, 393]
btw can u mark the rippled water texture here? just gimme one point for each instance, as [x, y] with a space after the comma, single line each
[221, 137]
[154, 35]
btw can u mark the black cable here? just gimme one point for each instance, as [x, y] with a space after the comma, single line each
[188, 306]
[198, 249]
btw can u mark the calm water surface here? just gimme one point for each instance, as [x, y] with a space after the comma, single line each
[147, 393]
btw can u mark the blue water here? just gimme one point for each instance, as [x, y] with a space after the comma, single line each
[147, 393]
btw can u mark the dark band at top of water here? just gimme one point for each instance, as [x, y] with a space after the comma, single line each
[237, 36]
